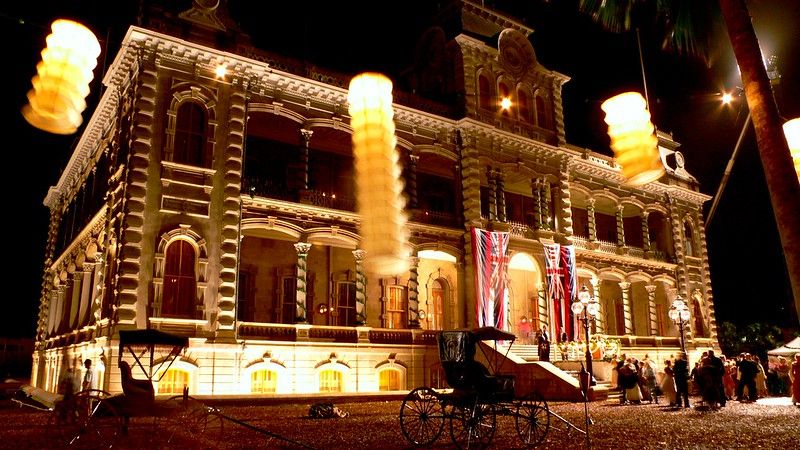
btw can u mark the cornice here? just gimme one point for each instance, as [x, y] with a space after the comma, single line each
[589, 255]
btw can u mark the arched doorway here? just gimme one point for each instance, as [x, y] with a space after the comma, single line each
[524, 281]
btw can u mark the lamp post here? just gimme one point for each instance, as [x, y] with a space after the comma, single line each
[679, 313]
[587, 308]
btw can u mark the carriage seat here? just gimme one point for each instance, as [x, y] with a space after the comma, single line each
[139, 391]
[472, 376]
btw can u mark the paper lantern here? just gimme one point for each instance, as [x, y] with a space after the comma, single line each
[633, 138]
[792, 131]
[62, 78]
[379, 199]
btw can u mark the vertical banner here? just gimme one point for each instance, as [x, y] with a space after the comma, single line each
[489, 251]
[562, 286]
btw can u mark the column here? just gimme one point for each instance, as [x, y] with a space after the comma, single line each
[87, 294]
[301, 313]
[651, 308]
[305, 135]
[645, 233]
[547, 220]
[592, 220]
[413, 200]
[492, 194]
[361, 284]
[413, 294]
[98, 283]
[626, 305]
[501, 196]
[537, 200]
[620, 227]
[565, 201]
[600, 319]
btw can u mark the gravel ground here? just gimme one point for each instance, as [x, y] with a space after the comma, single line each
[770, 424]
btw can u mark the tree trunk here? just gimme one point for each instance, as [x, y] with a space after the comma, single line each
[782, 181]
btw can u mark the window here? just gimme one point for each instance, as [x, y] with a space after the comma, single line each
[244, 306]
[660, 314]
[438, 378]
[484, 92]
[345, 303]
[525, 107]
[330, 381]
[504, 92]
[436, 305]
[179, 281]
[173, 381]
[541, 113]
[190, 135]
[619, 313]
[689, 239]
[289, 300]
[396, 307]
[389, 380]
[263, 381]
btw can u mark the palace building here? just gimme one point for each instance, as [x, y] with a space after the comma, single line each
[211, 195]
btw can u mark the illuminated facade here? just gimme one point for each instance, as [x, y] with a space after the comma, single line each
[211, 195]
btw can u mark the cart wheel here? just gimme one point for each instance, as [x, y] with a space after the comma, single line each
[189, 422]
[88, 420]
[472, 427]
[422, 417]
[532, 420]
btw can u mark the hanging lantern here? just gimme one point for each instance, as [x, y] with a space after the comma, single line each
[379, 199]
[792, 131]
[633, 138]
[62, 81]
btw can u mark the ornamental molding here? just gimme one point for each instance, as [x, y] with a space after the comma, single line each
[83, 239]
[623, 261]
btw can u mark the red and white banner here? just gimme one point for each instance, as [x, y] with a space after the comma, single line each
[562, 286]
[489, 252]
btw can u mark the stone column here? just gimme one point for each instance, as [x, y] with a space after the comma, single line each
[620, 227]
[547, 207]
[301, 313]
[645, 233]
[361, 285]
[600, 319]
[492, 194]
[651, 308]
[87, 294]
[305, 135]
[626, 305]
[537, 200]
[677, 239]
[413, 294]
[501, 196]
[565, 201]
[707, 293]
[592, 220]
[98, 285]
[413, 194]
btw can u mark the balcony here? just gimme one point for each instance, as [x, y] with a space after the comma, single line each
[263, 187]
[443, 219]
[332, 334]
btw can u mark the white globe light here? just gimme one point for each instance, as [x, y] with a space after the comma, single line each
[593, 308]
[577, 307]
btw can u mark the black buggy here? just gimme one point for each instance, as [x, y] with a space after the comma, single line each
[479, 394]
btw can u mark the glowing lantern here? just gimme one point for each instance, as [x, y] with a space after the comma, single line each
[792, 131]
[379, 199]
[57, 100]
[633, 138]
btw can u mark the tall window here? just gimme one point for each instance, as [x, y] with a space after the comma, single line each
[504, 92]
[525, 106]
[263, 381]
[396, 307]
[244, 305]
[619, 313]
[180, 285]
[345, 303]
[190, 135]
[173, 381]
[484, 92]
[689, 239]
[436, 313]
[288, 300]
[330, 381]
[541, 113]
[389, 380]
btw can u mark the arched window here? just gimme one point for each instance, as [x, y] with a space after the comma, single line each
[484, 92]
[390, 380]
[525, 106]
[331, 381]
[396, 307]
[688, 236]
[190, 135]
[436, 305]
[180, 283]
[503, 91]
[541, 113]
[173, 381]
[263, 381]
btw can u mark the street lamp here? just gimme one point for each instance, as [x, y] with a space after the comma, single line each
[587, 308]
[679, 313]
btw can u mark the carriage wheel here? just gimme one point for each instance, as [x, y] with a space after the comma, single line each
[422, 417]
[532, 420]
[472, 427]
[88, 420]
[188, 421]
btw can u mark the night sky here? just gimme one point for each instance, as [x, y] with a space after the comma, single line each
[748, 273]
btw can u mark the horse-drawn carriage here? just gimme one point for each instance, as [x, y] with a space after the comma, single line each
[94, 418]
[478, 396]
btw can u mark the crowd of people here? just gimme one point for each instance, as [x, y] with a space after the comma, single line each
[716, 379]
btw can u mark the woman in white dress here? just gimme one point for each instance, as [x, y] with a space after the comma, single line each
[668, 384]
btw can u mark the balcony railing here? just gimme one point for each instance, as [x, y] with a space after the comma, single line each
[444, 219]
[327, 200]
[315, 333]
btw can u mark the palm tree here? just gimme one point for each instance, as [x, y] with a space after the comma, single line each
[682, 20]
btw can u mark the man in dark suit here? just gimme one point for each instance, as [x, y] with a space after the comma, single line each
[544, 344]
[681, 368]
[718, 371]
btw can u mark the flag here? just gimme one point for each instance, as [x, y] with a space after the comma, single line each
[489, 253]
[562, 286]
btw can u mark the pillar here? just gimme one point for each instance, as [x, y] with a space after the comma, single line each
[492, 194]
[626, 305]
[413, 294]
[361, 285]
[501, 196]
[413, 195]
[651, 308]
[592, 220]
[305, 135]
[620, 227]
[600, 319]
[645, 233]
[301, 313]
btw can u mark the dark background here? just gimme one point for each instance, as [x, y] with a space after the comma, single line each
[749, 277]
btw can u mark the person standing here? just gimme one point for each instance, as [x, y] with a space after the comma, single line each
[794, 376]
[544, 344]
[717, 374]
[681, 369]
[88, 376]
[747, 379]
[668, 383]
